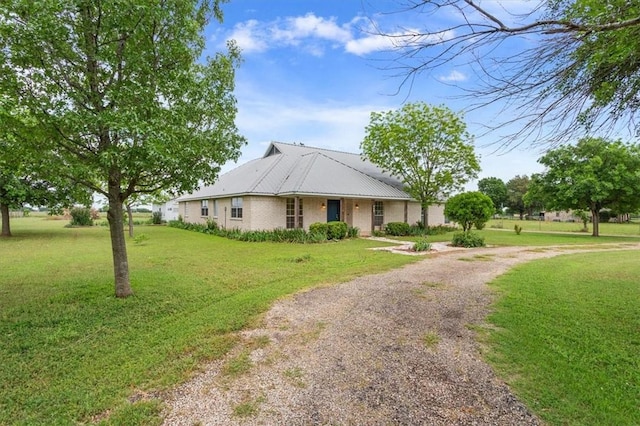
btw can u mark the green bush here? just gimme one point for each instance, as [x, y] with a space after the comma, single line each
[318, 234]
[336, 230]
[469, 208]
[81, 216]
[422, 245]
[397, 229]
[467, 239]
[156, 218]
[517, 228]
[353, 232]
[319, 228]
[439, 229]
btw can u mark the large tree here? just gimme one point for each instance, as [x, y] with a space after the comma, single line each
[564, 67]
[517, 187]
[428, 147]
[591, 175]
[495, 189]
[128, 104]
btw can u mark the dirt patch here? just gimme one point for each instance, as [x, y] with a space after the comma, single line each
[393, 348]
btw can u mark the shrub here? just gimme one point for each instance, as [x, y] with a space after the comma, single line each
[469, 208]
[517, 228]
[467, 239]
[211, 226]
[319, 228]
[422, 245]
[319, 232]
[81, 216]
[140, 238]
[156, 218]
[336, 230]
[353, 232]
[398, 229]
[440, 229]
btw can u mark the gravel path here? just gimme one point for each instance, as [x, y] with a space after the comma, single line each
[385, 349]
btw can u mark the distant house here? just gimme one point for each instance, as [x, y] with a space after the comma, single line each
[168, 210]
[293, 186]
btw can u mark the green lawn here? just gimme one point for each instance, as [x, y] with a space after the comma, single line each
[71, 351]
[498, 237]
[568, 337]
[548, 226]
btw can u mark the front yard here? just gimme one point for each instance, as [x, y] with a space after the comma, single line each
[71, 351]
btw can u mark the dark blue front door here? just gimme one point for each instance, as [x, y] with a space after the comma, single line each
[333, 210]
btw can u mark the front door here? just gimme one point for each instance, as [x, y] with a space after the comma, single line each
[333, 210]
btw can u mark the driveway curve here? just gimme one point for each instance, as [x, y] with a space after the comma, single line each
[392, 348]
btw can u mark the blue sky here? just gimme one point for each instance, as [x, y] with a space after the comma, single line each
[313, 71]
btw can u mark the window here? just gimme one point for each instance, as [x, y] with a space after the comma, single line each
[204, 208]
[215, 208]
[378, 213]
[291, 213]
[236, 207]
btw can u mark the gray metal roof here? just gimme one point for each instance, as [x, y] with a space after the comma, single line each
[288, 170]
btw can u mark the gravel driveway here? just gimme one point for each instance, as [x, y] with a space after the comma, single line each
[386, 349]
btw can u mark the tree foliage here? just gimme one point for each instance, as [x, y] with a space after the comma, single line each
[517, 187]
[469, 209]
[428, 147]
[126, 101]
[495, 189]
[591, 175]
[22, 173]
[565, 68]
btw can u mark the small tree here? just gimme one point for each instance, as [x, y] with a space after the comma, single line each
[469, 208]
[428, 147]
[125, 99]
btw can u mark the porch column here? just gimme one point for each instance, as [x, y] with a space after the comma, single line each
[296, 206]
[406, 211]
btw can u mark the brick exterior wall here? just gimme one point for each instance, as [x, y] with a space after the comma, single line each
[264, 212]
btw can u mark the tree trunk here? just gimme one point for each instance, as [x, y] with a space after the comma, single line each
[596, 222]
[6, 229]
[130, 217]
[521, 214]
[425, 216]
[118, 247]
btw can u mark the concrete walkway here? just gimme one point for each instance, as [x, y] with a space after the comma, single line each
[406, 247]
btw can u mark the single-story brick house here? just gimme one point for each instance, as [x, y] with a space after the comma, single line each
[293, 186]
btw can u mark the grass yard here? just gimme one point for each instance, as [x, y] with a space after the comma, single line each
[549, 226]
[568, 337]
[71, 352]
[496, 237]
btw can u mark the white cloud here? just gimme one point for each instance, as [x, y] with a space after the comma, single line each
[309, 31]
[312, 33]
[248, 36]
[398, 40]
[453, 76]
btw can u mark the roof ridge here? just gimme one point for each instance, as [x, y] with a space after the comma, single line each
[304, 175]
[266, 172]
[315, 148]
